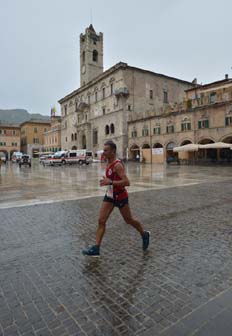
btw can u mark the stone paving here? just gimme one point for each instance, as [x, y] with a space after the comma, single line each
[180, 286]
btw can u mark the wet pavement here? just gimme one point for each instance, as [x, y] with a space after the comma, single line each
[181, 286]
[39, 185]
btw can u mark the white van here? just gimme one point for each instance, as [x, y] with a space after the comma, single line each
[16, 156]
[81, 156]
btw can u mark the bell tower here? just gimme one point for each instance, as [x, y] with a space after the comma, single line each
[91, 55]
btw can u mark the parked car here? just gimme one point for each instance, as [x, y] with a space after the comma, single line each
[43, 157]
[47, 161]
[25, 160]
[16, 156]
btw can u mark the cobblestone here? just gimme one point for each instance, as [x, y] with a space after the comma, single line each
[48, 288]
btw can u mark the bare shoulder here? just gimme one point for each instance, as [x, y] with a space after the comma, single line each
[119, 165]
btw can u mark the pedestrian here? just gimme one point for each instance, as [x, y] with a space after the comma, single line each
[116, 196]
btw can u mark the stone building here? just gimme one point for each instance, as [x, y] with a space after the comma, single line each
[32, 136]
[204, 116]
[52, 136]
[107, 100]
[9, 140]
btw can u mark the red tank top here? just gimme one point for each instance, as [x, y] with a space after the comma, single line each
[119, 193]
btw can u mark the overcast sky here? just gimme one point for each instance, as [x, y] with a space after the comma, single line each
[39, 43]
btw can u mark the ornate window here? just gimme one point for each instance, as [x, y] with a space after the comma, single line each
[156, 130]
[203, 123]
[170, 129]
[134, 133]
[145, 131]
[185, 125]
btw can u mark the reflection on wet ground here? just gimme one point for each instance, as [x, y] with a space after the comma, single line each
[40, 184]
[181, 285]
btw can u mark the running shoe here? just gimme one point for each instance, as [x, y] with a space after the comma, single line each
[93, 251]
[146, 238]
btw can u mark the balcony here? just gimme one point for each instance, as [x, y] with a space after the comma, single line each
[82, 106]
[121, 92]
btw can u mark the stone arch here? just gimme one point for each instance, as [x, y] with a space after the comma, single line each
[74, 147]
[227, 138]
[158, 153]
[185, 142]
[225, 154]
[206, 154]
[157, 145]
[170, 155]
[204, 141]
[146, 146]
[146, 153]
[134, 151]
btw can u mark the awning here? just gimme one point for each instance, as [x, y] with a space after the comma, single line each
[216, 145]
[186, 148]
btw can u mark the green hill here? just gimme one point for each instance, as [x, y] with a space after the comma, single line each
[18, 116]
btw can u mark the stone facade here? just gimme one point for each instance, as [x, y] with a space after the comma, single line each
[9, 140]
[102, 107]
[52, 137]
[204, 116]
[32, 135]
[91, 55]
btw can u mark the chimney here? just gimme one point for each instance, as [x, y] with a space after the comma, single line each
[226, 76]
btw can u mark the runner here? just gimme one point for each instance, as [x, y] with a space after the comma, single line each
[116, 196]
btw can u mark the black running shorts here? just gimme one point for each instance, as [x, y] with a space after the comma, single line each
[117, 203]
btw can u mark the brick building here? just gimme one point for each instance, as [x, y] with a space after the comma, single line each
[9, 139]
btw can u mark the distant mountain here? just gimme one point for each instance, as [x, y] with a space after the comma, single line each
[18, 116]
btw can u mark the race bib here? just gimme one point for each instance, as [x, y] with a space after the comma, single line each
[109, 191]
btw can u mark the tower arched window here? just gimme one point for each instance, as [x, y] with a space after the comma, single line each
[112, 128]
[75, 136]
[72, 137]
[83, 57]
[95, 56]
[107, 129]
